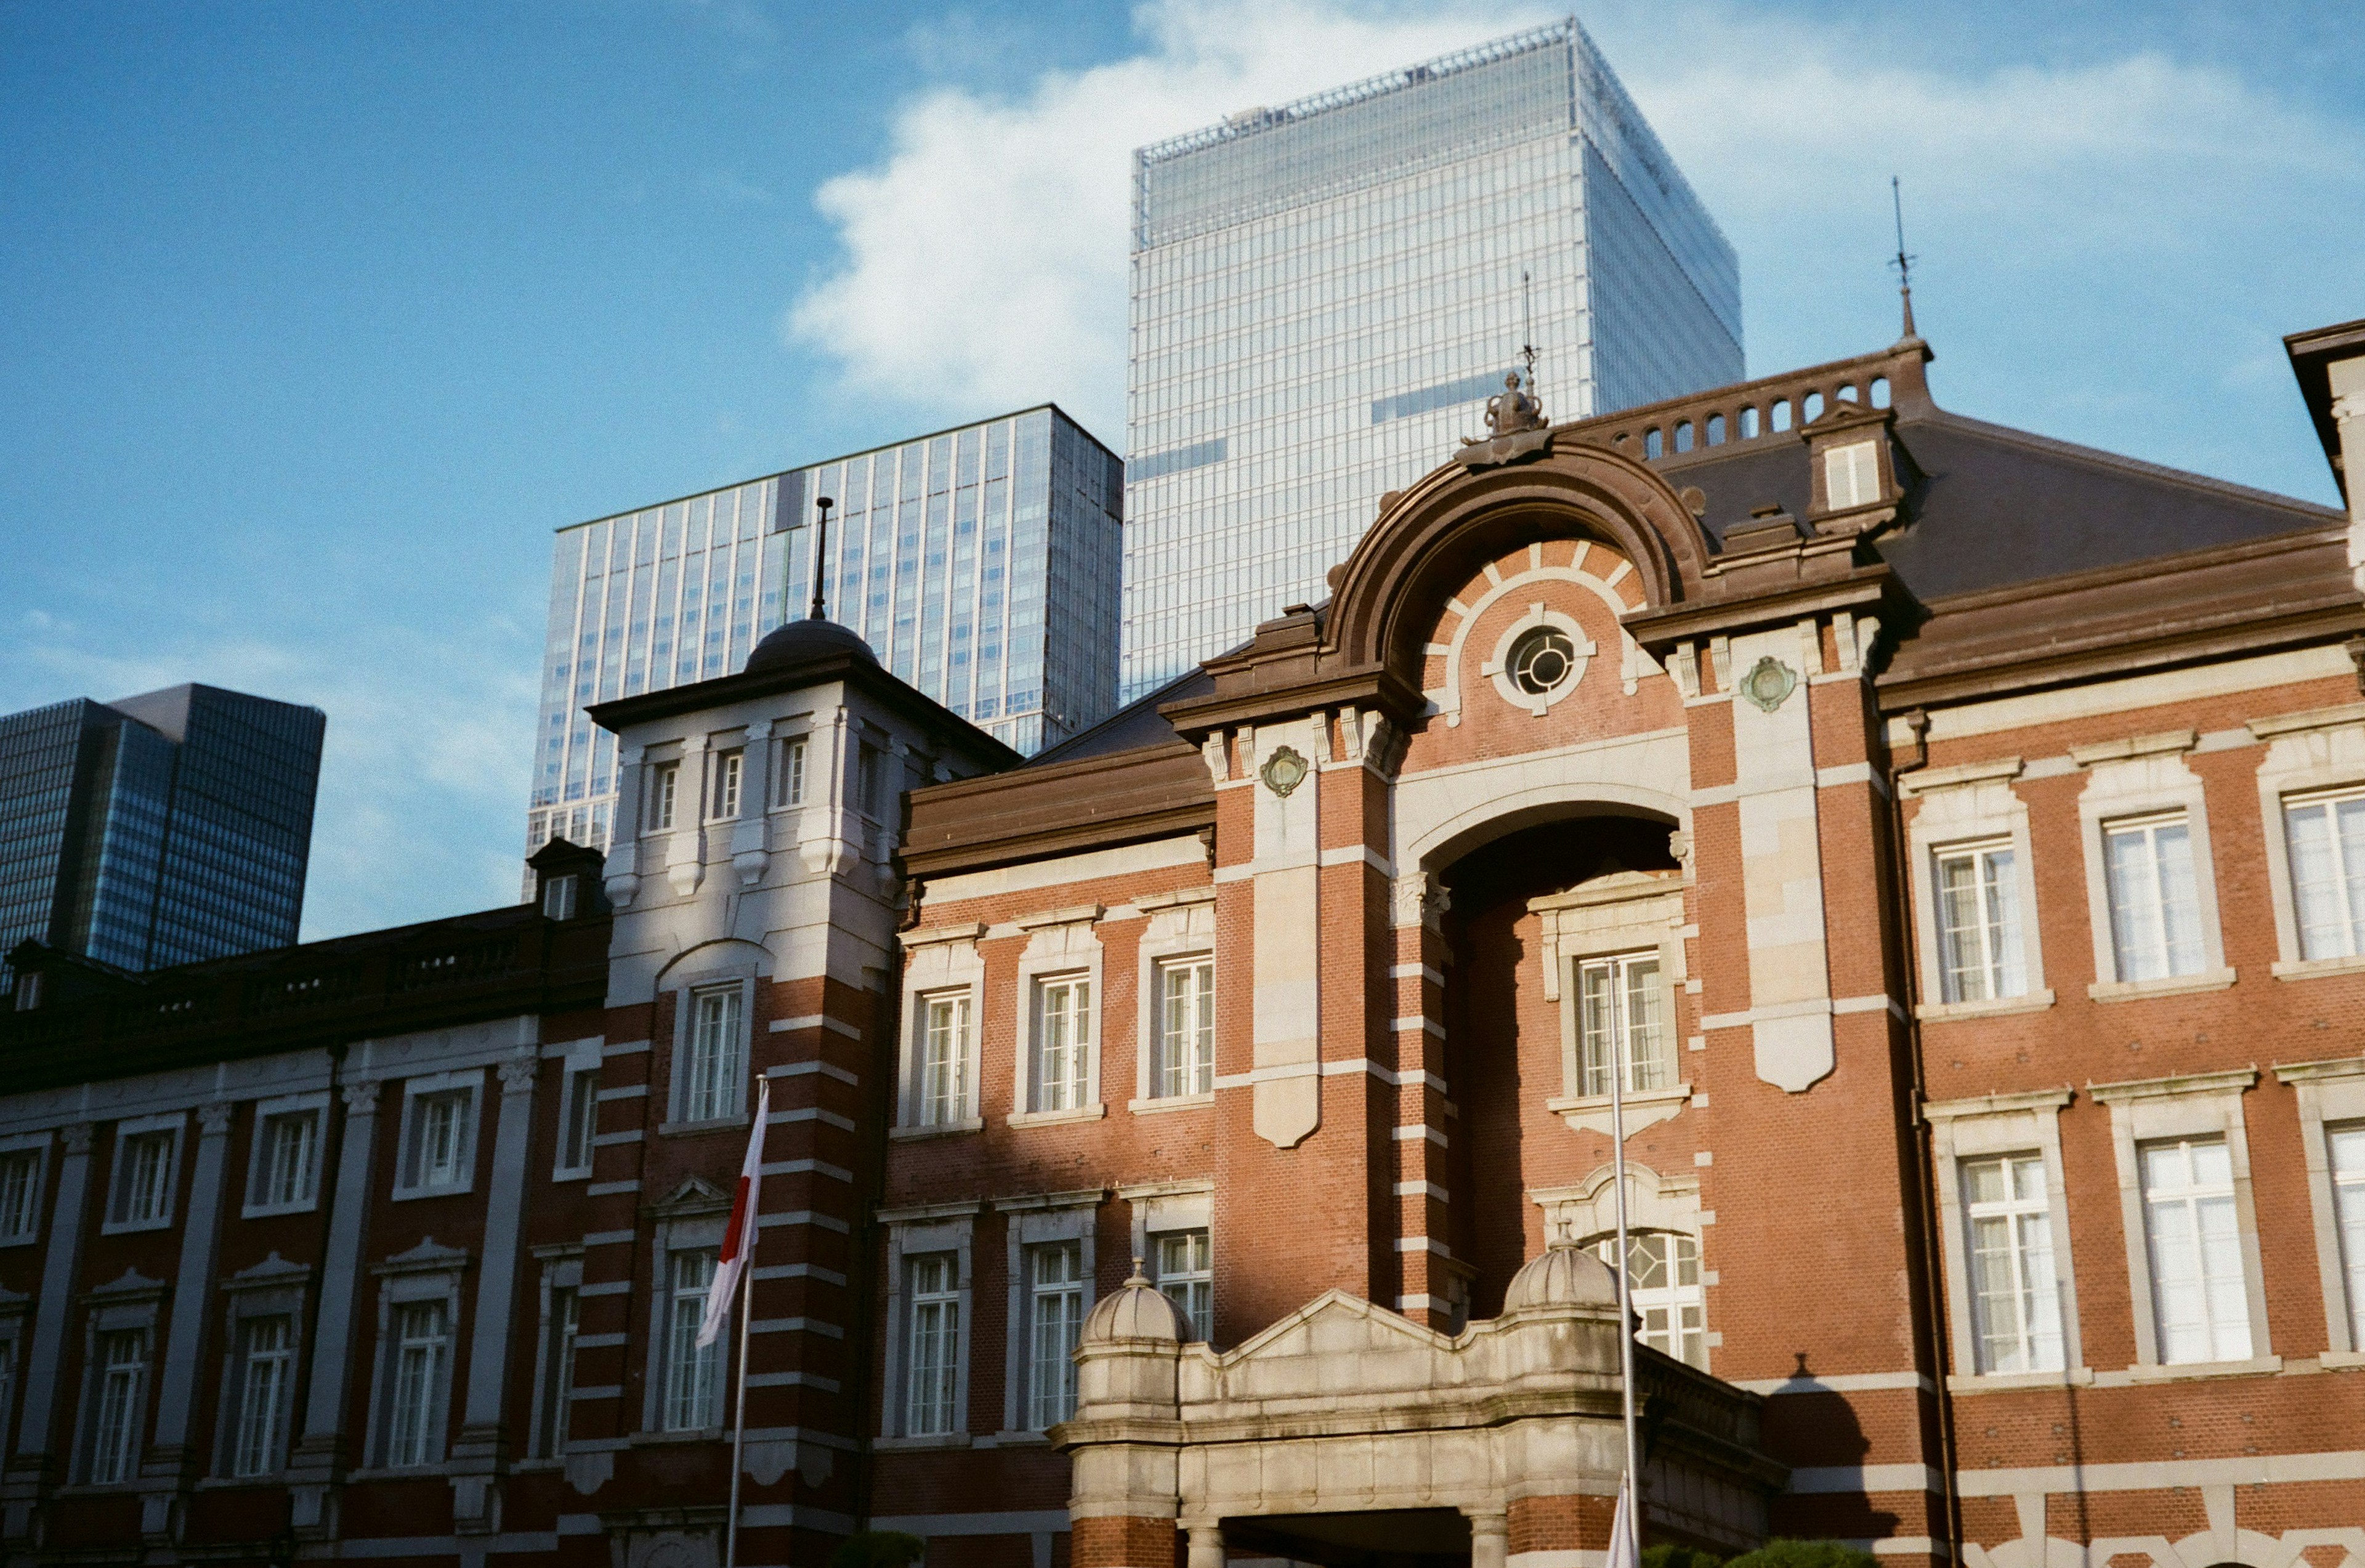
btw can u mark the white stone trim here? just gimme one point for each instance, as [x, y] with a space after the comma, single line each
[1032, 1222]
[471, 1080]
[1182, 927]
[2150, 777]
[1627, 913]
[1159, 1207]
[2306, 753]
[1959, 807]
[1993, 1125]
[1063, 945]
[177, 1122]
[949, 1228]
[316, 1104]
[947, 963]
[2106, 698]
[1127, 860]
[18, 1143]
[2329, 1091]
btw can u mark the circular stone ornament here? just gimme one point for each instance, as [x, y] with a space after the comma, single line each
[1285, 770]
[1542, 661]
[1769, 683]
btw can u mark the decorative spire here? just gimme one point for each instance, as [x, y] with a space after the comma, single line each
[821, 556]
[1902, 263]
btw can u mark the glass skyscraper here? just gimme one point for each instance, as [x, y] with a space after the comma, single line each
[160, 829]
[980, 564]
[1323, 295]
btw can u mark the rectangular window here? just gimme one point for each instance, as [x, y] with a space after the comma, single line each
[1981, 959]
[118, 1406]
[944, 1060]
[1055, 1314]
[422, 1348]
[558, 1370]
[1852, 475]
[2200, 1304]
[266, 1373]
[691, 1374]
[1185, 1062]
[1663, 1280]
[2015, 1299]
[1186, 1277]
[578, 1121]
[710, 1079]
[1063, 1040]
[20, 1198]
[1622, 1016]
[2326, 838]
[935, 1344]
[2347, 1148]
[558, 897]
[442, 1141]
[288, 1170]
[724, 806]
[665, 791]
[143, 1178]
[2155, 909]
[867, 773]
[792, 773]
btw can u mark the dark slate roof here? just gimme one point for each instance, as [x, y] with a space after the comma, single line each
[1131, 727]
[1995, 506]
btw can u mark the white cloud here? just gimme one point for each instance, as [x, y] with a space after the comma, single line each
[984, 258]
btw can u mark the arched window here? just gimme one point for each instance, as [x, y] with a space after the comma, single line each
[1781, 413]
[1651, 442]
[1749, 422]
[1715, 429]
[1682, 435]
[1663, 1276]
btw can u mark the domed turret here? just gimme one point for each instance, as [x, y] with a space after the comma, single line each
[1565, 1275]
[811, 638]
[1135, 1310]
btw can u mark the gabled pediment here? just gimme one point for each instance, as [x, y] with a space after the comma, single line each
[428, 1256]
[695, 1195]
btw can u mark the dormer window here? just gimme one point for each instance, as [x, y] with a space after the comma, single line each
[1852, 475]
[558, 897]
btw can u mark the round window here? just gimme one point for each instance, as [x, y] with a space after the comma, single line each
[1542, 661]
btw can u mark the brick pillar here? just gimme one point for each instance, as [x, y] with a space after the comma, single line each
[1574, 1522]
[1124, 1541]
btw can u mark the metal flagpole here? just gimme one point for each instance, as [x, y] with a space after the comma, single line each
[1633, 1486]
[739, 1418]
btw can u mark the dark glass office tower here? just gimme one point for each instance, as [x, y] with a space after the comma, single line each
[159, 829]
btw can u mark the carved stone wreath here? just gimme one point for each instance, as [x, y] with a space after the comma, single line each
[1285, 770]
[1769, 683]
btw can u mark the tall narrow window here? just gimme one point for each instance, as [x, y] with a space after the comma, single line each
[20, 1195]
[422, 1336]
[1185, 1062]
[441, 1140]
[935, 1345]
[867, 773]
[2155, 911]
[792, 773]
[2200, 1304]
[711, 1086]
[944, 1060]
[2327, 836]
[143, 1177]
[1622, 1010]
[558, 1370]
[558, 897]
[1978, 924]
[1852, 475]
[726, 803]
[1063, 1040]
[119, 1405]
[2015, 1298]
[1056, 1314]
[1663, 1280]
[665, 791]
[291, 1157]
[266, 1365]
[2349, 1210]
[1186, 1277]
[578, 1120]
[691, 1374]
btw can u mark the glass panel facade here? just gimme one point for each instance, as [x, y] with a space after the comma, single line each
[946, 553]
[1324, 295]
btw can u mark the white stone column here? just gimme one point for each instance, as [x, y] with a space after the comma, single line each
[191, 1309]
[1286, 878]
[60, 1265]
[1490, 1540]
[1206, 1547]
[1781, 859]
[318, 1459]
[686, 850]
[476, 1502]
[622, 874]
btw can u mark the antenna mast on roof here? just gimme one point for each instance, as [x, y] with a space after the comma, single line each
[1527, 331]
[1903, 262]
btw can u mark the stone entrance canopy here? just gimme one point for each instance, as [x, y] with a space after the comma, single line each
[1343, 1408]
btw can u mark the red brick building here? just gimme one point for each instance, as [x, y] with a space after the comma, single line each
[1957, 837]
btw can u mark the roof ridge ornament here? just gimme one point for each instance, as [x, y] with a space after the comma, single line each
[1903, 264]
[1518, 425]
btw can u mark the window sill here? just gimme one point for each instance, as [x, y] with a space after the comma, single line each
[2009, 1383]
[25, 1241]
[739, 1123]
[1644, 1107]
[572, 1173]
[131, 1226]
[2175, 985]
[1944, 1011]
[934, 1440]
[944, 1129]
[2180, 1371]
[1057, 1118]
[2311, 969]
[693, 1435]
[273, 1211]
[2339, 1361]
[407, 1472]
[460, 1190]
[1160, 1106]
[273, 1479]
[1033, 1439]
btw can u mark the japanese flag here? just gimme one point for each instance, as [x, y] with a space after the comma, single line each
[739, 1236]
[1625, 1549]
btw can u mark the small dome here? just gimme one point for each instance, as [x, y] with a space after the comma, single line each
[1135, 1310]
[798, 641]
[1566, 1275]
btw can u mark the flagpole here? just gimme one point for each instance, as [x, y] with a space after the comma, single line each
[739, 1417]
[1632, 1485]
[741, 1248]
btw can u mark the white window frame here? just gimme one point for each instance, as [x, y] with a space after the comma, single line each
[268, 1113]
[15, 1147]
[1202, 1329]
[1963, 1131]
[1623, 916]
[119, 1171]
[793, 775]
[2131, 781]
[1062, 948]
[665, 795]
[578, 1079]
[1043, 1220]
[2019, 1214]
[110, 1455]
[692, 1221]
[939, 966]
[560, 896]
[272, 1417]
[2197, 1105]
[2331, 1095]
[13, 1308]
[681, 1296]
[1861, 460]
[1181, 930]
[1955, 808]
[2317, 753]
[688, 999]
[1622, 1047]
[470, 1082]
[916, 1233]
[1672, 1297]
[132, 1304]
[1997, 935]
[273, 1288]
[554, 1382]
[724, 789]
[1589, 1209]
[426, 1274]
[2328, 801]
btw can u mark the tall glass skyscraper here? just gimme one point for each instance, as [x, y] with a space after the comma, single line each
[1325, 294]
[160, 829]
[980, 564]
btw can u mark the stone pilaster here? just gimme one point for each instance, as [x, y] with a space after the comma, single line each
[318, 1463]
[171, 1461]
[30, 1469]
[478, 1456]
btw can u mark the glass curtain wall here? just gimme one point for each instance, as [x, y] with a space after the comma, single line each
[1325, 294]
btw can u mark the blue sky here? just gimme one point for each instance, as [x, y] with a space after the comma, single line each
[316, 319]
